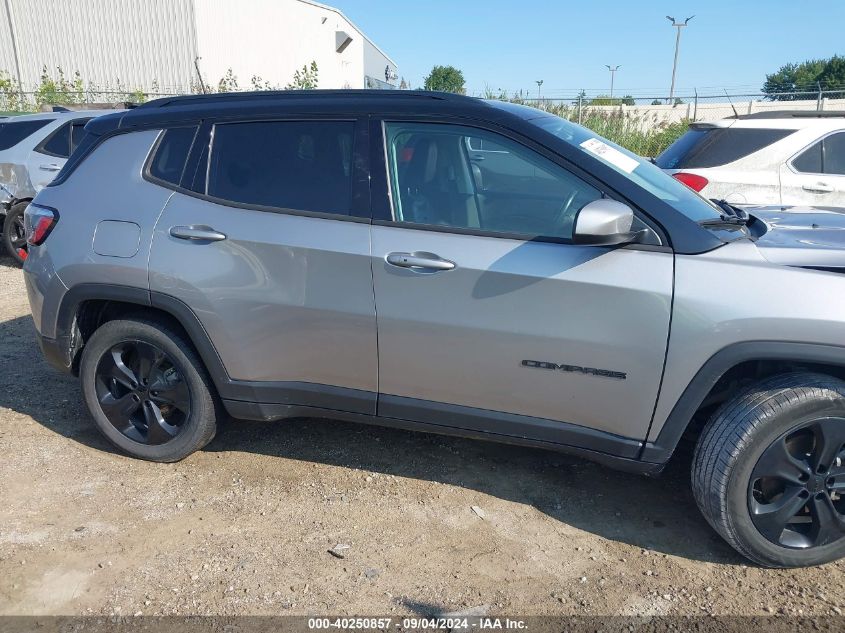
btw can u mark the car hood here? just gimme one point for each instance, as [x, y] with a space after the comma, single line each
[802, 236]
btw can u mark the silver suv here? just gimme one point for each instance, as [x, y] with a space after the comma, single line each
[442, 263]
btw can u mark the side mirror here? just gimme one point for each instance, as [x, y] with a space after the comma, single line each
[605, 222]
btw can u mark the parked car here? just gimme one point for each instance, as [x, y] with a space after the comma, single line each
[784, 157]
[33, 148]
[359, 255]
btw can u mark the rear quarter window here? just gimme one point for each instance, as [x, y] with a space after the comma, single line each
[13, 132]
[171, 153]
[712, 147]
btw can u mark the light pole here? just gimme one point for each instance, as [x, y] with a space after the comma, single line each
[612, 70]
[679, 26]
[539, 83]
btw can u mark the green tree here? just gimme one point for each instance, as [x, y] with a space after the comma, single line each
[305, 78]
[808, 76]
[445, 79]
[604, 100]
[581, 98]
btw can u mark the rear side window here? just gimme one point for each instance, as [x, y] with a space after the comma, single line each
[301, 165]
[12, 133]
[172, 153]
[63, 141]
[58, 144]
[825, 157]
[712, 147]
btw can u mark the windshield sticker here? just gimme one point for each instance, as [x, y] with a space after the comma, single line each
[611, 155]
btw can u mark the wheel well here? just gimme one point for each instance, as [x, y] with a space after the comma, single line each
[738, 377]
[93, 313]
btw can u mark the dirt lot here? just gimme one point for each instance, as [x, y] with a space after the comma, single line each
[244, 526]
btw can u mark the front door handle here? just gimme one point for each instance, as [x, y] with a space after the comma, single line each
[419, 261]
[50, 167]
[819, 187]
[197, 233]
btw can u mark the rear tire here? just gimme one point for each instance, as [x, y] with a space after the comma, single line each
[148, 391]
[768, 471]
[13, 235]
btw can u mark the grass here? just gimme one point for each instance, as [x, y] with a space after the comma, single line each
[636, 132]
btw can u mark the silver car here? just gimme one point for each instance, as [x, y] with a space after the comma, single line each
[448, 264]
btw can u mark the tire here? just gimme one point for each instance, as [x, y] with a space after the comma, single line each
[178, 386]
[12, 236]
[765, 448]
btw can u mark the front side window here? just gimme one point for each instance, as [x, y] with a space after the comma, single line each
[298, 165]
[440, 176]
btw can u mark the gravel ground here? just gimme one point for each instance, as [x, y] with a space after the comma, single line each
[433, 524]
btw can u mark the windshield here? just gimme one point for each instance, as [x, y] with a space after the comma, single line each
[634, 167]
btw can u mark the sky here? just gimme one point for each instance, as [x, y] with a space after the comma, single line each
[510, 44]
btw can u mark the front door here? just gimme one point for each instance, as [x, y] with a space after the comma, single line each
[488, 316]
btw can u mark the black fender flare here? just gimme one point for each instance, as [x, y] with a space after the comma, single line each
[661, 449]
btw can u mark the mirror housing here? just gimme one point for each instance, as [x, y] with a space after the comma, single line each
[605, 222]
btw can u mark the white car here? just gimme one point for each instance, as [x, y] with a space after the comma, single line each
[768, 158]
[33, 148]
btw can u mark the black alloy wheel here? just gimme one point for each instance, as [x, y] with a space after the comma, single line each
[796, 493]
[142, 393]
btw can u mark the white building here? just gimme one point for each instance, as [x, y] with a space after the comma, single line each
[157, 45]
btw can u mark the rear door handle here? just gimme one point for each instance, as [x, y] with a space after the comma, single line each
[419, 261]
[819, 187]
[197, 233]
[50, 167]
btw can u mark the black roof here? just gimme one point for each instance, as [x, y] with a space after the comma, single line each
[173, 110]
[791, 114]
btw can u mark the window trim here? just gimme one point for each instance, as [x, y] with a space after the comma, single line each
[205, 132]
[40, 148]
[820, 139]
[379, 124]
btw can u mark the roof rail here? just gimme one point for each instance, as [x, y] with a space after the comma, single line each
[792, 114]
[261, 95]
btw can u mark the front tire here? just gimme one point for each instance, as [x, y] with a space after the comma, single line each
[147, 390]
[14, 238]
[769, 471]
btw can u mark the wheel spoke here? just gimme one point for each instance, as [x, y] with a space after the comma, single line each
[830, 438]
[778, 462]
[158, 430]
[149, 358]
[119, 409]
[828, 524]
[113, 366]
[771, 518]
[176, 395]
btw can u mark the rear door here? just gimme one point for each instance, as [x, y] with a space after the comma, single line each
[490, 318]
[266, 242]
[816, 175]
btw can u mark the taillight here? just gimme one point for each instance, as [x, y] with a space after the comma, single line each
[693, 181]
[38, 222]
